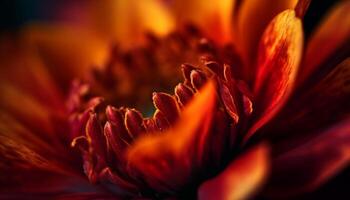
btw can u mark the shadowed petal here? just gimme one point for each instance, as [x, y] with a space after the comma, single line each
[318, 107]
[240, 179]
[279, 57]
[310, 164]
[333, 32]
[176, 153]
[252, 19]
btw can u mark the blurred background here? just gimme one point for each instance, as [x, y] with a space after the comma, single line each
[16, 13]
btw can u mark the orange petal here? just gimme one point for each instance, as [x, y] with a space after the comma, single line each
[176, 153]
[240, 179]
[215, 19]
[279, 57]
[309, 165]
[333, 33]
[252, 19]
[127, 22]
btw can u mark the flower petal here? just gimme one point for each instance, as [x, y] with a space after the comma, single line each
[279, 57]
[252, 19]
[316, 108]
[208, 16]
[175, 154]
[332, 34]
[240, 179]
[309, 165]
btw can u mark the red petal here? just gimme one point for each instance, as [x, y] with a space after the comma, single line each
[115, 117]
[95, 136]
[183, 94]
[167, 105]
[228, 100]
[134, 122]
[279, 56]
[198, 79]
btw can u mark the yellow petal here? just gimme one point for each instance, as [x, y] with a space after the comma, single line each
[252, 18]
[215, 19]
[333, 32]
[176, 153]
[240, 179]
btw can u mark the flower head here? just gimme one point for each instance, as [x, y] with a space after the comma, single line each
[240, 109]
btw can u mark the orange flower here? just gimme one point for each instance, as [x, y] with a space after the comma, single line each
[255, 116]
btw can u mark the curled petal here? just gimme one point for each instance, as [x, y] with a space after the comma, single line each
[183, 94]
[115, 117]
[198, 79]
[134, 122]
[94, 135]
[333, 33]
[229, 102]
[177, 152]
[279, 57]
[161, 122]
[167, 105]
[240, 179]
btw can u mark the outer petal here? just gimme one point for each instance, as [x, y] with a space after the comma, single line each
[333, 33]
[240, 179]
[176, 153]
[215, 19]
[252, 19]
[310, 164]
[279, 57]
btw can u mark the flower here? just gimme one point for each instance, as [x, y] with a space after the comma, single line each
[255, 115]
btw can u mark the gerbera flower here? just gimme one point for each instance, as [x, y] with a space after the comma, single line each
[240, 108]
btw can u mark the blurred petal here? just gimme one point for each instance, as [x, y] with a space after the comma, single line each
[67, 51]
[208, 16]
[279, 57]
[252, 19]
[22, 69]
[127, 21]
[30, 112]
[310, 164]
[240, 179]
[333, 33]
[176, 153]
